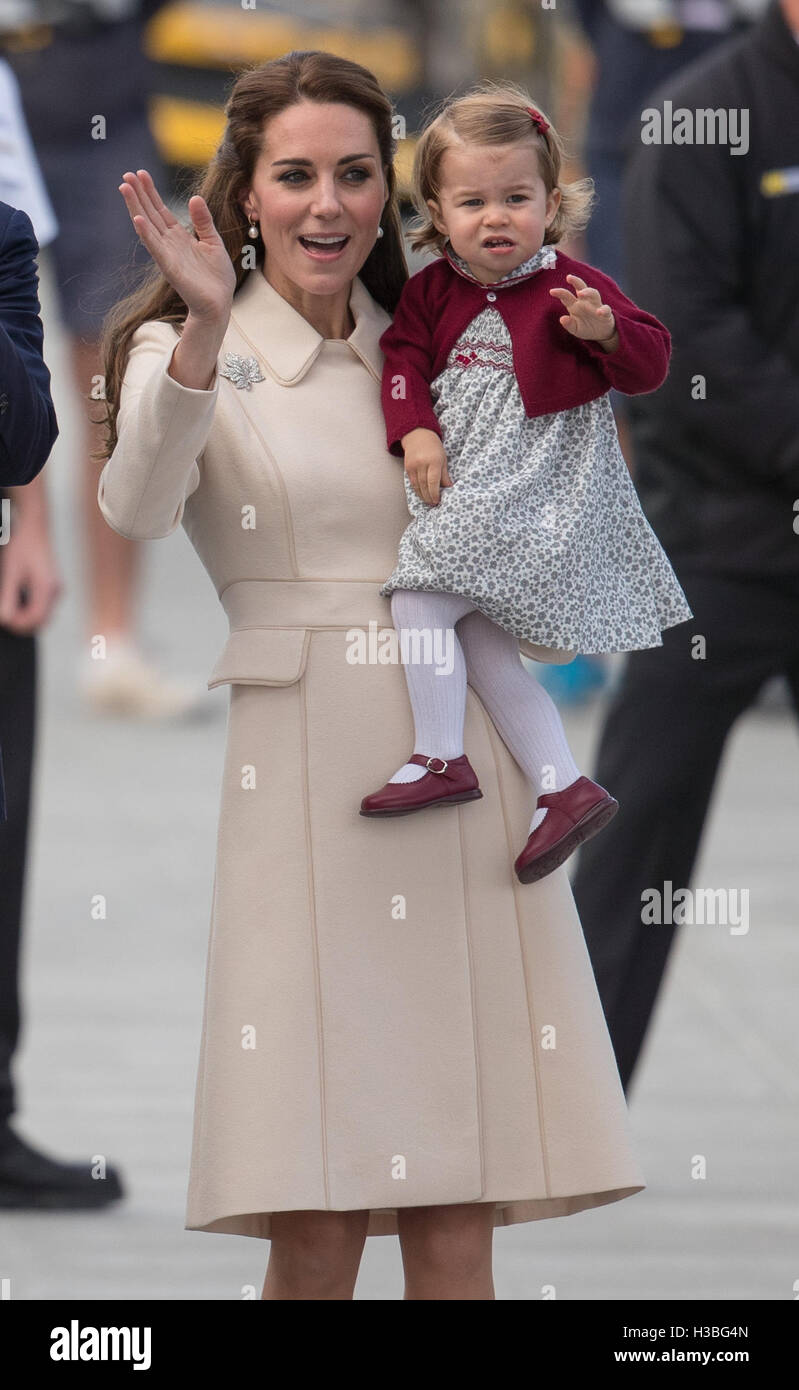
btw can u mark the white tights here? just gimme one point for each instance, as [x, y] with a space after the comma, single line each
[488, 656]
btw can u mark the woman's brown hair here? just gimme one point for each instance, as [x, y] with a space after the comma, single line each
[258, 94]
[493, 113]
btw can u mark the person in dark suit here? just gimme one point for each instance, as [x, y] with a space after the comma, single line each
[711, 247]
[28, 425]
[29, 586]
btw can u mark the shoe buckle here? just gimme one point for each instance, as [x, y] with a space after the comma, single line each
[437, 769]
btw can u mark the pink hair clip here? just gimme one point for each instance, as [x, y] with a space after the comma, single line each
[537, 119]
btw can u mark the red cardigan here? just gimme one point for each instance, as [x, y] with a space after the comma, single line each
[554, 369]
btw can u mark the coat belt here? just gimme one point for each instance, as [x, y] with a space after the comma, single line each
[308, 603]
[271, 621]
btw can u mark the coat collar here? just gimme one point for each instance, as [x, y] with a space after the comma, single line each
[286, 344]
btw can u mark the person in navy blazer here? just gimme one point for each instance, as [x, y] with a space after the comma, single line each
[30, 584]
[28, 425]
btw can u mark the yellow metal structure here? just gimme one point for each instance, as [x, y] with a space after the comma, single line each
[220, 37]
[223, 39]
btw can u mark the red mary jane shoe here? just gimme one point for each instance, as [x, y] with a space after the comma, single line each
[573, 815]
[455, 780]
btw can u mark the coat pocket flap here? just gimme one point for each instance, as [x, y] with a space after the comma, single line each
[262, 656]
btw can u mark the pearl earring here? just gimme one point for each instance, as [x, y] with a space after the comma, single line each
[253, 227]
[380, 231]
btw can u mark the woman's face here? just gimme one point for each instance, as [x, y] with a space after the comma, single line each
[319, 175]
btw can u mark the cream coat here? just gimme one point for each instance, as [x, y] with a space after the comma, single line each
[391, 1019]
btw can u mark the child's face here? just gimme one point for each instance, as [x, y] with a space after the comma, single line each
[493, 206]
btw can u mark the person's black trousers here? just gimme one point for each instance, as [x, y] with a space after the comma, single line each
[659, 752]
[17, 726]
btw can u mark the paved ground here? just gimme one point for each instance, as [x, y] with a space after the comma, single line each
[113, 1007]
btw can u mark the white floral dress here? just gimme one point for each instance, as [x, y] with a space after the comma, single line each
[542, 528]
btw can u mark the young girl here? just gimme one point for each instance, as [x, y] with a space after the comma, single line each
[526, 529]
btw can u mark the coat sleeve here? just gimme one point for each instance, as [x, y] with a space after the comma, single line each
[162, 429]
[407, 369]
[28, 426]
[641, 361]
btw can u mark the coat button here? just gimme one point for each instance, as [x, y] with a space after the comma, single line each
[491, 296]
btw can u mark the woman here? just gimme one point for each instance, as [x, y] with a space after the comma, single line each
[397, 1037]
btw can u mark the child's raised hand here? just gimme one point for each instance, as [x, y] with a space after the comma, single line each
[587, 316]
[426, 464]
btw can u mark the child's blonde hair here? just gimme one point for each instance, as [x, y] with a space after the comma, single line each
[493, 113]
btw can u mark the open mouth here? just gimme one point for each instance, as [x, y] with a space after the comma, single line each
[324, 246]
[498, 243]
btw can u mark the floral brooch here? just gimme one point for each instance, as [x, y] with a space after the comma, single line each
[242, 371]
